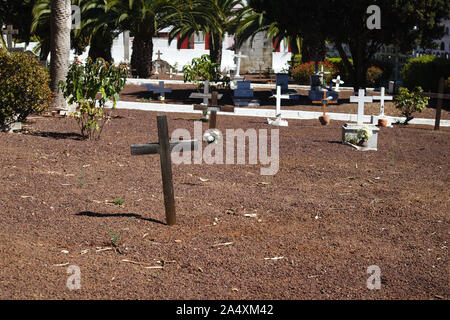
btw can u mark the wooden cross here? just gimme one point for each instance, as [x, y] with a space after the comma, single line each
[213, 108]
[9, 31]
[161, 90]
[159, 54]
[165, 148]
[382, 99]
[325, 101]
[361, 99]
[205, 95]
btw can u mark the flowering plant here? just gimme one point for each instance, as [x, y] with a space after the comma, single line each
[364, 134]
[303, 71]
[90, 87]
[373, 75]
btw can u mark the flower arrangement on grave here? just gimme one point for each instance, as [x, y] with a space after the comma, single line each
[90, 87]
[202, 69]
[364, 134]
[409, 102]
[374, 74]
[302, 72]
[212, 135]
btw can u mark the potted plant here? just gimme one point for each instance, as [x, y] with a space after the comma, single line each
[363, 136]
[382, 122]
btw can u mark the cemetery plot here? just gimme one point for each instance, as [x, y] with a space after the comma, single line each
[310, 231]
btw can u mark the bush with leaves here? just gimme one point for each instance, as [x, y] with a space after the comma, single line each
[374, 75]
[90, 87]
[425, 71]
[410, 102]
[302, 72]
[24, 88]
[202, 69]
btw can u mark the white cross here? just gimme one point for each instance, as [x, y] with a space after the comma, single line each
[205, 96]
[382, 99]
[278, 121]
[9, 31]
[361, 99]
[156, 68]
[338, 82]
[238, 65]
[161, 90]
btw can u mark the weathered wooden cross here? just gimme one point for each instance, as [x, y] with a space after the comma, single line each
[325, 101]
[205, 95]
[165, 148]
[159, 54]
[361, 99]
[9, 31]
[437, 122]
[382, 99]
[213, 108]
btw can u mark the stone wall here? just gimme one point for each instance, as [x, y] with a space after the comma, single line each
[259, 53]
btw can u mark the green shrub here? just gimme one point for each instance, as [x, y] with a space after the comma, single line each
[409, 102]
[202, 69]
[425, 71]
[303, 71]
[24, 87]
[90, 86]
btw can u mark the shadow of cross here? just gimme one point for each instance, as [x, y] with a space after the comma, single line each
[164, 148]
[213, 108]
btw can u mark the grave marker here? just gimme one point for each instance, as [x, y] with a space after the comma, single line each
[382, 99]
[213, 108]
[238, 64]
[278, 121]
[325, 101]
[164, 147]
[159, 54]
[161, 90]
[361, 99]
[338, 82]
[9, 32]
[205, 95]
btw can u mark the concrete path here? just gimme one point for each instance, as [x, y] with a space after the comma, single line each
[267, 113]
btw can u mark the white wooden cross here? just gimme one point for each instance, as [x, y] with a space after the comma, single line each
[156, 68]
[9, 31]
[278, 121]
[322, 73]
[382, 99]
[161, 90]
[238, 65]
[338, 82]
[361, 99]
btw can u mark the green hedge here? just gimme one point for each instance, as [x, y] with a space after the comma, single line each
[24, 87]
[425, 71]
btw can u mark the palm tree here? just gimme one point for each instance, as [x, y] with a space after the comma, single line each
[213, 17]
[143, 18]
[60, 18]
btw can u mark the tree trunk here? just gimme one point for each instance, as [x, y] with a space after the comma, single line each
[313, 50]
[101, 44]
[215, 51]
[360, 64]
[60, 21]
[141, 59]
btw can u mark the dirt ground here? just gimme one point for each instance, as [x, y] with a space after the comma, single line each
[180, 95]
[309, 232]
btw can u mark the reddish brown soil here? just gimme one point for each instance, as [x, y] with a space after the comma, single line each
[330, 212]
[180, 95]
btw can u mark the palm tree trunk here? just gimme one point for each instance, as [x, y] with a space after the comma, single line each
[60, 20]
[101, 44]
[215, 45]
[141, 58]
